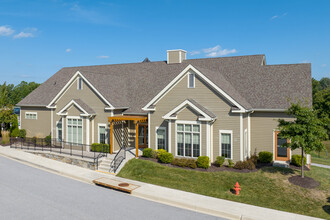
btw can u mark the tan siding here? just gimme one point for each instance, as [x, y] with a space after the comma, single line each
[36, 128]
[263, 125]
[205, 96]
[187, 114]
[92, 100]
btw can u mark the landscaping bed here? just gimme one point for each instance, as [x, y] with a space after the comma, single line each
[266, 186]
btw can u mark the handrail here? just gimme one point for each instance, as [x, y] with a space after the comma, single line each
[54, 145]
[116, 162]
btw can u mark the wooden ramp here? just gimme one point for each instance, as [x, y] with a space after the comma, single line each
[114, 184]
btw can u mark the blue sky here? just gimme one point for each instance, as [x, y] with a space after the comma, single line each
[37, 38]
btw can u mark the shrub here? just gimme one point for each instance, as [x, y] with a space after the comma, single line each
[14, 132]
[96, 147]
[155, 153]
[203, 162]
[265, 157]
[165, 157]
[230, 163]
[296, 160]
[5, 137]
[183, 162]
[147, 152]
[247, 164]
[34, 140]
[48, 140]
[220, 161]
[22, 133]
[254, 158]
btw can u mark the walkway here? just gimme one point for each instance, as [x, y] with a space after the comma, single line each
[320, 165]
[199, 203]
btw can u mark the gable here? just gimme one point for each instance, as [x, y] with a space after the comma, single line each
[87, 95]
[187, 114]
[183, 76]
[74, 111]
[72, 88]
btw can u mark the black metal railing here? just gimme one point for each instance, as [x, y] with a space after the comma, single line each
[61, 147]
[120, 156]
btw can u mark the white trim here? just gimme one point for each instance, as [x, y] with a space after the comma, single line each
[208, 133]
[73, 78]
[231, 142]
[98, 132]
[82, 128]
[249, 133]
[258, 110]
[20, 118]
[56, 129]
[200, 137]
[182, 106]
[181, 76]
[87, 133]
[169, 124]
[31, 113]
[246, 147]
[211, 143]
[241, 135]
[52, 123]
[93, 130]
[188, 86]
[161, 128]
[61, 112]
[149, 128]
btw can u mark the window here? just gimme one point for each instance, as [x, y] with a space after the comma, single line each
[191, 80]
[79, 86]
[74, 129]
[188, 140]
[59, 130]
[30, 115]
[102, 134]
[161, 138]
[226, 139]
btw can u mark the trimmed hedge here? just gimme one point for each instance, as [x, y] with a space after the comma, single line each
[22, 133]
[203, 162]
[184, 162]
[220, 160]
[265, 157]
[230, 163]
[147, 152]
[247, 164]
[155, 153]
[165, 157]
[296, 160]
[96, 147]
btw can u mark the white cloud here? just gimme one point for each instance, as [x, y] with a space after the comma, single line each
[214, 51]
[23, 34]
[68, 50]
[103, 57]
[278, 16]
[324, 65]
[6, 31]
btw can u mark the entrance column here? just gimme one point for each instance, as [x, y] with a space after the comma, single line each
[136, 138]
[111, 136]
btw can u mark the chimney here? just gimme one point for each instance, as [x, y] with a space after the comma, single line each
[176, 56]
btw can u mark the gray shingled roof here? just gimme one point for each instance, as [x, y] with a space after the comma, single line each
[86, 107]
[205, 110]
[133, 85]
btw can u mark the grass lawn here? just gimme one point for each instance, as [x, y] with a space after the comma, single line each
[268, 187]
[323, 158]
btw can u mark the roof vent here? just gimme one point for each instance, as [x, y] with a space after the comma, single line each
[176, 56]
[146, 60]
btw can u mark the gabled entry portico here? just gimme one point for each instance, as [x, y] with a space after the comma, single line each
[136, 119]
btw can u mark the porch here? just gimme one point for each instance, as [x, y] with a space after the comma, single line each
[141, 130]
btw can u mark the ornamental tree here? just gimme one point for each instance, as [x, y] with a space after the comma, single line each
[305, 132]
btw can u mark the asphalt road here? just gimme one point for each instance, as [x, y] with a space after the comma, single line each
[30, 193]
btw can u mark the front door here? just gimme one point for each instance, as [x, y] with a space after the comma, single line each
[281, 153]
[143, 136]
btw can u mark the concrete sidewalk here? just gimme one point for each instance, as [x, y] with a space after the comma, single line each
[186, 200]
[320, 165]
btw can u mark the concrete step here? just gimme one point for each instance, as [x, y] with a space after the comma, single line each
[281, 164]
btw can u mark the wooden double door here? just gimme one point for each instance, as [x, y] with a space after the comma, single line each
[143, 135]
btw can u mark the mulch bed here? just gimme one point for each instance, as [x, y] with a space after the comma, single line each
[306, 182]
[212, 168]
